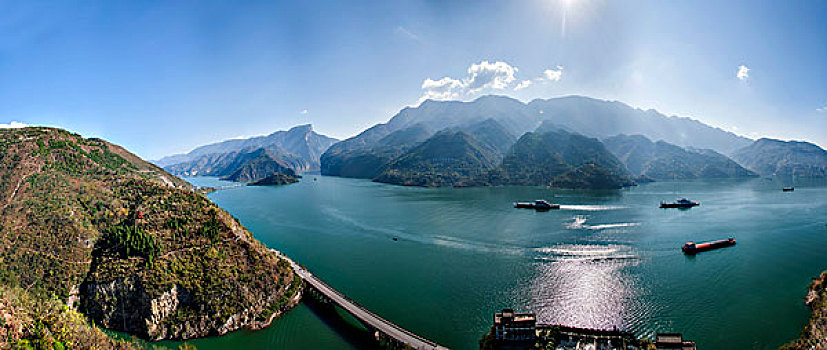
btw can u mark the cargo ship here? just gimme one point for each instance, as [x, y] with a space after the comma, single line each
[692, 248]
[680, 203]
[540, 204]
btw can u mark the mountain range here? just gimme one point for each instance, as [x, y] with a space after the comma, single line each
[452, 143]
[298, 149]
[664, 161]
[770, 157]
[244, 165]
[496, 122]
[459, 158]
[584, 115]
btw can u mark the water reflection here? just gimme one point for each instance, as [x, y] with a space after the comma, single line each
[586, 286]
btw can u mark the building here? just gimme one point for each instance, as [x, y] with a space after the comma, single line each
[673, 341]
[514, 326]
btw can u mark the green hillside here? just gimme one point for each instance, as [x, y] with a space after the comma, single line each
[128, 245]
[560, 159]
[446, 159]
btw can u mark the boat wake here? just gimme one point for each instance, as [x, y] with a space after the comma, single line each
[579, 223]
[591, 207]
[431, 239]
[609, 226]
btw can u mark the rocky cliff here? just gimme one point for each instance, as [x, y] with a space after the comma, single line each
[814, 335]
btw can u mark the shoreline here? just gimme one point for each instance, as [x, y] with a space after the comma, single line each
[814, 334]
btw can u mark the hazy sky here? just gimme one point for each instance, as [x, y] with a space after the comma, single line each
[162, 77]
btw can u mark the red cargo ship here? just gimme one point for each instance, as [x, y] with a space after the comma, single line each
[692, 247]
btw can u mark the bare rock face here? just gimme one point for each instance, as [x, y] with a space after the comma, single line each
[124, 305]
[160, 308]
[116, 304]
[814, 335]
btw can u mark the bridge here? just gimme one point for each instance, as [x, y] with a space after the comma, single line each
[384, 329]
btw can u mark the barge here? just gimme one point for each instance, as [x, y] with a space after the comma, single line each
[540, 204]
[692, 248]
[680, 203]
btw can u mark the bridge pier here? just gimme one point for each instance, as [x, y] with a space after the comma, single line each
[387, 342]
[318, 296]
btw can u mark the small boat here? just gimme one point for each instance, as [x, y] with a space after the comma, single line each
[540, 204]
[788, 189]
[692, 248]
[680, 203]
[395, 238]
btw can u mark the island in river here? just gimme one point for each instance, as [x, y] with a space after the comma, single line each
[276, 179]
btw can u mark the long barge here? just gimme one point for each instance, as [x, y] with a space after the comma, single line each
[693, 248]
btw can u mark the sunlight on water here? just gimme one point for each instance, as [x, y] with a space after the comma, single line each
[584, 286]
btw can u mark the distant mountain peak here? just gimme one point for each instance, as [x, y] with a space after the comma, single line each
[298, 147]
[304, 128]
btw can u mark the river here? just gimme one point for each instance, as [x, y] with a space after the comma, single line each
[605, 259]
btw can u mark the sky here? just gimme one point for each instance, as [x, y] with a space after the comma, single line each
[162, 77]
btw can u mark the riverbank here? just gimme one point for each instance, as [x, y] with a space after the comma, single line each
[814, 335]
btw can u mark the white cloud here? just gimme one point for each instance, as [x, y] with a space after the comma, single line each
[522, 85]
[496, 75]
[481, 76]
[822, 109]
[553, 75]
[442, 89]
[304, 111]
[743, 72]
[444, 83]
[13, 125]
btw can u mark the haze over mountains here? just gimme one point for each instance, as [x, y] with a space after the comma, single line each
[289, 152]
[770, 157]
[497, 121]
[664, 161]
[587, 116]
[452, 143]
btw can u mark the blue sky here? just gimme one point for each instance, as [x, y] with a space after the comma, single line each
[162, 77]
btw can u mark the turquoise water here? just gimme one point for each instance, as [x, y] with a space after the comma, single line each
[605, 259]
